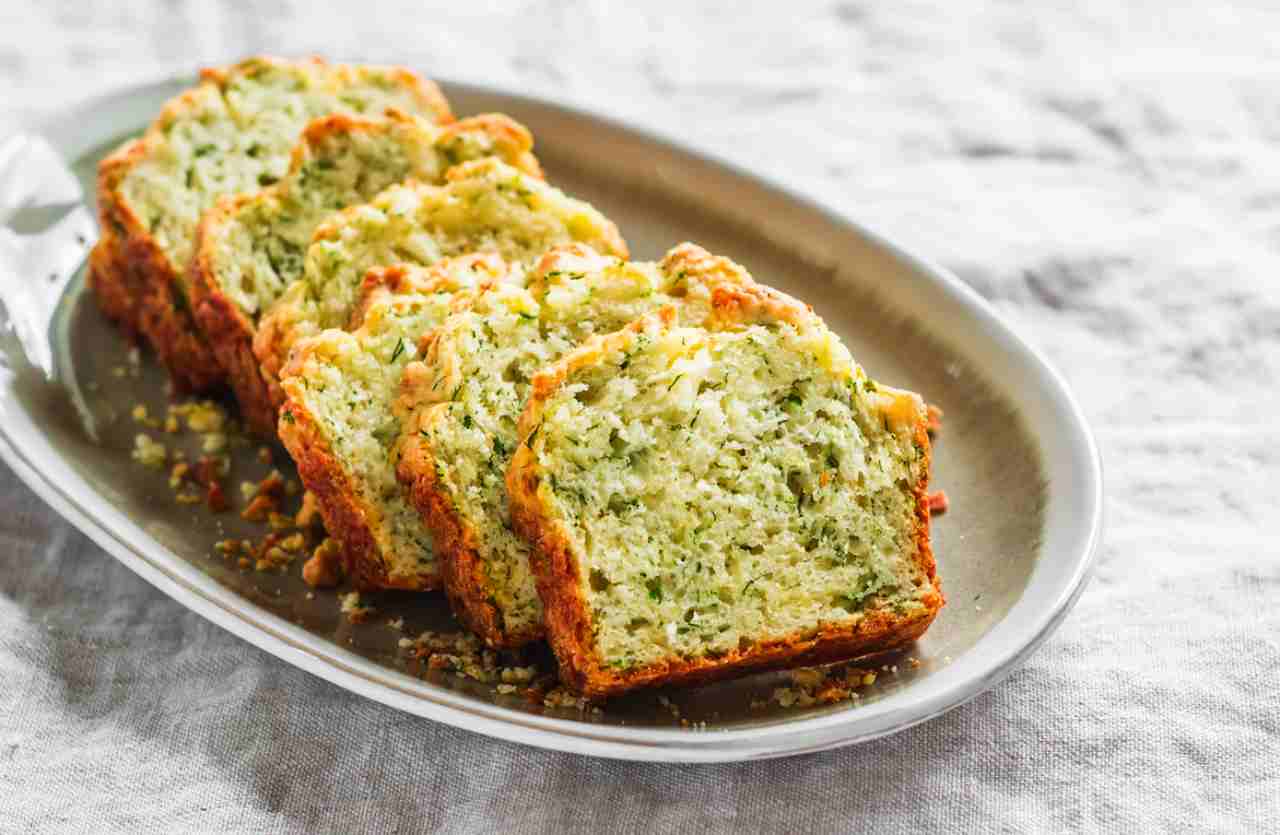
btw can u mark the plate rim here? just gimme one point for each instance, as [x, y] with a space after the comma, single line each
[201, 593]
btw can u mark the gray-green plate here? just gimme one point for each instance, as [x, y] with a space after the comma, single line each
[1015, 456]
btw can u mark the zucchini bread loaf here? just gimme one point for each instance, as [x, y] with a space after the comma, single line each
[338, 425]
[250, 246]
[486, 206]
[706, 502]
[231, 133]
[461, 403]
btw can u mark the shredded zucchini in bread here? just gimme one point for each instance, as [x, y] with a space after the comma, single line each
[486, 206]
[709, 501]
[461, 403]
[232, 133]
[250, 246]
[338, 424]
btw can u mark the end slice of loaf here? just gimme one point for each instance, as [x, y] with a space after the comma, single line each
[462, 401]
[250, 247]
[231, 133]
[338, 424]
[486, 206]
[708, 502]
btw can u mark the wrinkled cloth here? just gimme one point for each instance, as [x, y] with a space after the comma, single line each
[1105, 173]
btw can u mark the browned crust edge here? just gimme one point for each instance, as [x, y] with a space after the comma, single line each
[566, 613]
[230, 335]
[132, 277]
[456, 544]
[226, 327]
[132, 280]
[345, 516]
[135, 282]
[112, 284]
[513, 141]
[272, 344]
[379, 281]
[398, 279]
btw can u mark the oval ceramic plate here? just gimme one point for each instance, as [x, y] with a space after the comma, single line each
[1014, 455]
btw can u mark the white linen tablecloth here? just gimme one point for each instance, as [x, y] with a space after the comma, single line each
[1105, 173]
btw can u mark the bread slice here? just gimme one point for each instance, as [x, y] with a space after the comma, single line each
[233, 132]
[708, 502]
[250, 247]
[461, 402]
[485, 206]
[338, 425]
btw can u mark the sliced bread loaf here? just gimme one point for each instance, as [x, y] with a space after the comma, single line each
[486, 206]
[231, 133]
[338, 425]
[461, 403]
[250, 247]
[706, 502]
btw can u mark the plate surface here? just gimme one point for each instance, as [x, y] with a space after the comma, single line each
[1014, 455]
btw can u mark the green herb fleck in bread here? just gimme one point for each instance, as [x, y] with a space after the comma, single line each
[461, 402]
[338, 425]
[707, 502]
[486, 206]
[250, 247]
[231, 133]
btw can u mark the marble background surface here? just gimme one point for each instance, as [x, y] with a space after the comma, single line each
[1105, 173]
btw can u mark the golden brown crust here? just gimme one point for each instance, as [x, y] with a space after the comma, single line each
[160, 312]
[566, 612]
[487, 268]
[378, 282]
[111, 283]
[270, 355]
[345, 516]
[230, 338]
[132, 278]
[171, 329]
[456, 542]
[228, 330]
[135, 281]
[512, 140]
[688, 257]
[756, 304]
[457, 549]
